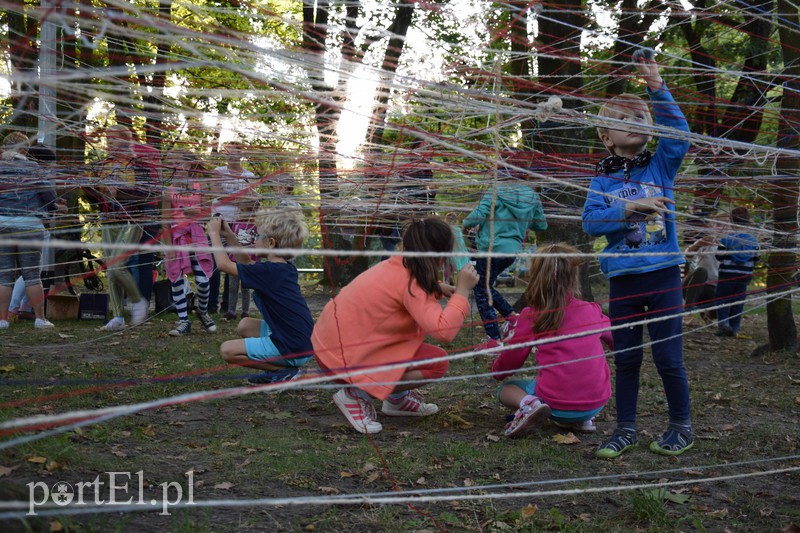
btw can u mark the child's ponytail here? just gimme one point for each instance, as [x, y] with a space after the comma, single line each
[553, 280]
[430, 234]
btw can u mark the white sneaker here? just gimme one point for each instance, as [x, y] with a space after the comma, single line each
[115, 324]
[587, 426]
[358, 411]
[139, 311]
[4, 324]
[43, 323]
[412, 404]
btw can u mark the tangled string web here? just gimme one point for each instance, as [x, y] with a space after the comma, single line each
[367, 114]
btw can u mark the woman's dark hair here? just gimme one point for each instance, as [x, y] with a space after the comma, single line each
[740, 215]
[430, 234]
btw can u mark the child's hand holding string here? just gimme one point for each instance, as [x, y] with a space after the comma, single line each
[214, 225]
[645, 63]
[646, 206]
[467, 279]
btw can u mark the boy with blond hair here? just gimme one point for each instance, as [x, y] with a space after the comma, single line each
[279, 343]
[628, 203]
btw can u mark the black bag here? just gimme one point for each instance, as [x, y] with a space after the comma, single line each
[163, 292]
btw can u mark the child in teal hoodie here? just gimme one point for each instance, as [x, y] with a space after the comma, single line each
[503, 217]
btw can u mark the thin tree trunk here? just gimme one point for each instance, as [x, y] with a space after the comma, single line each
[782, 264]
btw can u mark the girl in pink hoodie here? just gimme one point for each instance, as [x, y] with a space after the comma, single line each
[574, 379]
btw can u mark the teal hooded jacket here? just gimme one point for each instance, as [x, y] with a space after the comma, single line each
[516, 209]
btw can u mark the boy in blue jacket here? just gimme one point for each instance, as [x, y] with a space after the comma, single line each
[503, 217]
[629, 204]
[735, 273]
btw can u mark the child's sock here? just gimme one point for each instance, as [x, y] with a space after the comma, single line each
[358, 393]
[395, 397]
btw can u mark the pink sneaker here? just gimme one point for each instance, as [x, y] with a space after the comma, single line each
[358, 411]
[412, 404]
[508, 328]
[527, 418]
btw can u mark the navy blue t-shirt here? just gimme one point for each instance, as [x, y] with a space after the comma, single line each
[278, 297]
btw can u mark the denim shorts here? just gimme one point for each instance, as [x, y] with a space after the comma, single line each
[27, 259]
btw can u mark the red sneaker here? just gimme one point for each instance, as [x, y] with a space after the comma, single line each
[412, 404]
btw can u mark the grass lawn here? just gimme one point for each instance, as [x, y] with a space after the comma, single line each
[295, 444]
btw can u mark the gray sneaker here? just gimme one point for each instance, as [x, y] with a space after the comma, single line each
[184, 328]
[207, 321]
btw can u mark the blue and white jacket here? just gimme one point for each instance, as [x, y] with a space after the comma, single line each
[656, 235]
[739, 265]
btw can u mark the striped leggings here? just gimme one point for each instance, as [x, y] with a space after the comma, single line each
[179, 291]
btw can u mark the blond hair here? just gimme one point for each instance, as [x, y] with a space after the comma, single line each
[621, 103]
[15, 146]
[553, 280]
[287, 226]
[119, 131]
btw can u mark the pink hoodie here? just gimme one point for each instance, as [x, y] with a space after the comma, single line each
[580, 386]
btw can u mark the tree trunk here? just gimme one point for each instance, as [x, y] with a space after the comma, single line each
[561, 74]
[154, 100]
[327, 106]
[782, 264]
[22, 53]
[403, 15]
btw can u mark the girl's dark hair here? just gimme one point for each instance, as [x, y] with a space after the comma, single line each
[430, 234]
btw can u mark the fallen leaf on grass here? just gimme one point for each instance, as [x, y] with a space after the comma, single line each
[65, 336]
[469, 482]
[7, 368]
[791, 528]
[664, 494]
[459, 422]
[231, 443]
[150, 431]
[795, 381]
[6, 470]
[529, 510]
[797, 400]
[39, 460]
[493, 438]
[55, 525]
[53, 465]
[328, 490]
[372, 477]
[118, 453]
[569, 438]
[345, 474]
[224, 485]
[728, 427]
[421, 481]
